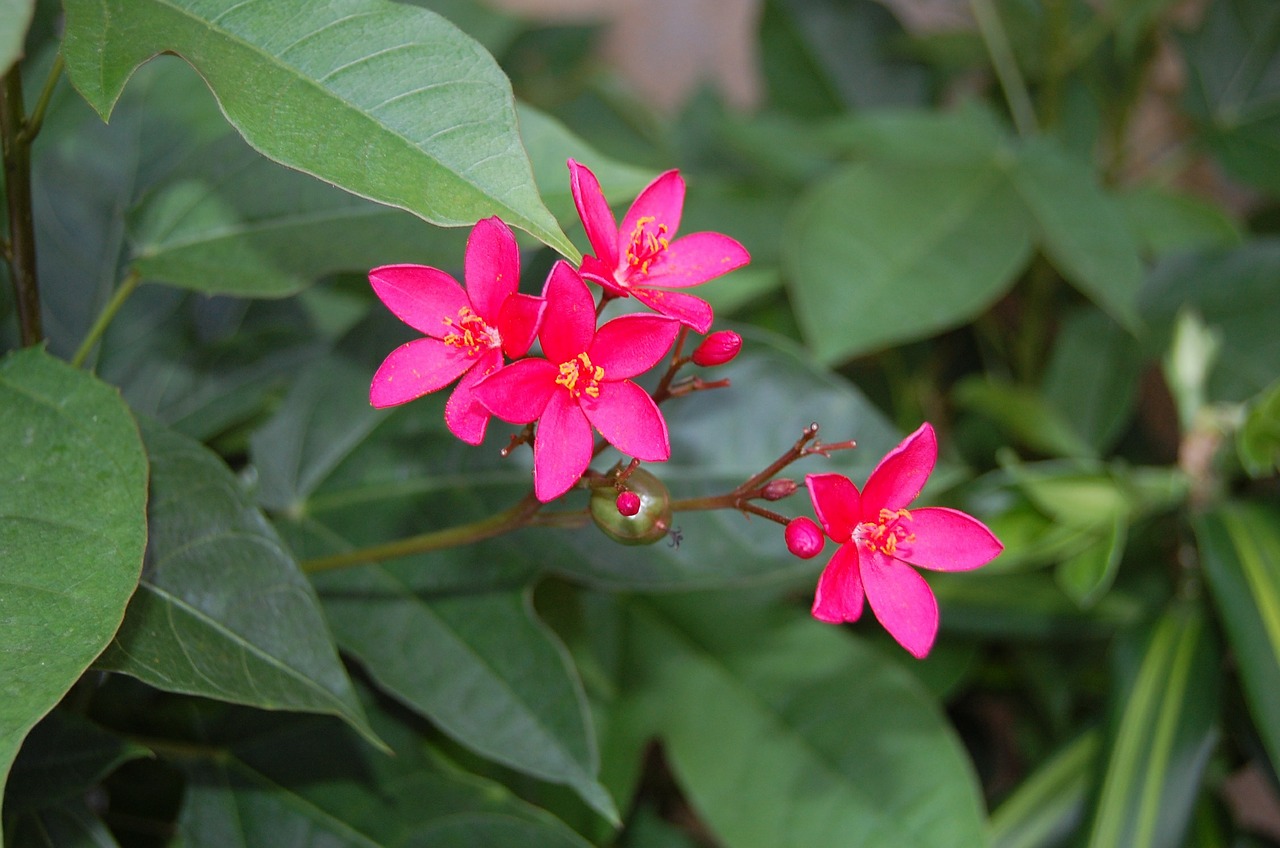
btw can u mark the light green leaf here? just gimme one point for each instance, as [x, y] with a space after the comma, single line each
[73, 494]
[1087, 574]
[1166, 707]
[387, 101]
[16, 15]
[1082, 229]
[785, 732]
[1240, 550]
[1258, 439]
[969, 135]
[482, 667]
[1024, 414]
[1049, 805]
[222, 610]
[1167, 223]
[879, 254]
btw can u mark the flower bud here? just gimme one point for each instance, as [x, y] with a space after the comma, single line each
[804, 537]
[650, 521]
[776, 490]
[717, 348]
[628, 503]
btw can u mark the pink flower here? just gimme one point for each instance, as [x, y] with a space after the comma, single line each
[467, 330]
[880, 540]
[641, 259]
[583, 383]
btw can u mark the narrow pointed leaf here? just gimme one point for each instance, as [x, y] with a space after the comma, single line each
[1049, 805]
[1240, 550]
[73, 493]
[1166, 726]
[799, 735]
[222, 610]
[388, 101]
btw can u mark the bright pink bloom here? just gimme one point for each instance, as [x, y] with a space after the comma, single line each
[467, 330]
[880, 540]
[583, 383]
[628, 504]
[804, 538]
[641, 259]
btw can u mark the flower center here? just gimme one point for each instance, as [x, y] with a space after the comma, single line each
[471, 332]
[888, 534]
[580, 377]
[648, 241]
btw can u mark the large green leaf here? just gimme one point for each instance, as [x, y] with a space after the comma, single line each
[73, 494]
[1166, 708]
[482, 667]
[786, 732]
[311, 778]
[1082, 229]
[17, 17]
[879, 254]
[387, 101]
[222, 610]
[1240, 552]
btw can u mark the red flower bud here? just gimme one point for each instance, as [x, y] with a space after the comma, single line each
[776, 490]
[718, 348]
[805, 538]
[628, 503]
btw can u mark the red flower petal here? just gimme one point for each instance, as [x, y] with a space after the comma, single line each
[693, 312]
[420, 296]
[900, 476]
[465, 416]
[839, 594]
[602, 275]
[569, 322]
[632, 344]
[416, 368]
[662, 200]
[519, 392]
[593, 209]
[629, 420]
[696, 258]
[836, 501]
[562, 448]
[518, 323]
[902, 601]
[949, 540]
[492, 267]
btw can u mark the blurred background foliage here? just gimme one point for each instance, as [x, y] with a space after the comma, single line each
[1050, 228]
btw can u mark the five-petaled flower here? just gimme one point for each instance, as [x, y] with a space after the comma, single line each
[880, 539]
[644, 258]
[582, 383]
[467, 330]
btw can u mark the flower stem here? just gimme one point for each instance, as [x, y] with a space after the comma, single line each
[518, 516]
[15, 143]
[1006, 66]
[118, 297]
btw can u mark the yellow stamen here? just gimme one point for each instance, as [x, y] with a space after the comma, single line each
[580, 369]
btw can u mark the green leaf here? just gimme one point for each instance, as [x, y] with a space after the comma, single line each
[1027, 606]
[387, 101]
[1082, 229]
[1050, 804]
[969, 135]
[68, 825]
[880, 254]
[73, 494]
[786, 732]
[498, 680]
[1024, 414]
[1258, 439]
[1166, 713]
[305, 778]
[1240, 550]
[62, 757]
[1234, 87]
[1092, 377]
[17, 16]
[1088, 574]
[222, 610]
[229, 221]
[1167, 223]
[1233, 292]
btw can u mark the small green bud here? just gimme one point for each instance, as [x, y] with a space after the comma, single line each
[651, 522]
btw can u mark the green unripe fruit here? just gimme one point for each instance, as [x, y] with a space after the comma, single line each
[650, 523]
